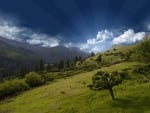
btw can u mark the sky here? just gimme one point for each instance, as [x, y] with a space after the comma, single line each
[91, 25]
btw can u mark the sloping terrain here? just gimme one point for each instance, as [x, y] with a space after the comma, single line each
[71, 95]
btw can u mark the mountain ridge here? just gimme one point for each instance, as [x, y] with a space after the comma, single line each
[52, 54]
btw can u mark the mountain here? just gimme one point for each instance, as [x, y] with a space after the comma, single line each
[15, 55]
[14, 49]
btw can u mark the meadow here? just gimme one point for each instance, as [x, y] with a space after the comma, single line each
[72, 95]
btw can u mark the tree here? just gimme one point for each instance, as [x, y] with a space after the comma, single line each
[92, 54]
[48, 67]
[61, 64]
[99, 59]
[79, 58]
[76, 58]
[23, 71]
[41, 65]
[104, 80]
[68, 63]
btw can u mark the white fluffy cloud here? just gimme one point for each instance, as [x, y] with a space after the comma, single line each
[43, 40]
[100, 43]
[11, 31]
[106, 39]
[129, 37]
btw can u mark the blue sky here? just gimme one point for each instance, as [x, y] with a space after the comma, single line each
[91, 25]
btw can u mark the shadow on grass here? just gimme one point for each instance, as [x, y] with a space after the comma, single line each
[132, 104]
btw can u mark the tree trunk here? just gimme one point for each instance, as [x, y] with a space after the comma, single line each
[111, 93]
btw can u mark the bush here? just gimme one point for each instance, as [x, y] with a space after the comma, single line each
[33, 79]
[48, 77]
[12, 87]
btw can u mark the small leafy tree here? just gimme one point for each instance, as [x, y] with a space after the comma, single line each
[104, 80]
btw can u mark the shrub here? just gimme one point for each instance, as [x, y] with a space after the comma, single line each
[33, 79]
[48, 77]
[12, 87]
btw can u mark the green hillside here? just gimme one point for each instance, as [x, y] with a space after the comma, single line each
[71, 94]
[114, 55]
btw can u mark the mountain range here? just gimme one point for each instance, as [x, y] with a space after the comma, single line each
[14, 54]
[13, 49]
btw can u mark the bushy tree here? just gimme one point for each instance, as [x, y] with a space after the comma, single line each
[104, 80]
[33, 79]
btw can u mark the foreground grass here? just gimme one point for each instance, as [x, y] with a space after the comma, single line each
[71, 95]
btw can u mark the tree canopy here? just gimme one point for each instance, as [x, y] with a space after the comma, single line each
[105, 80]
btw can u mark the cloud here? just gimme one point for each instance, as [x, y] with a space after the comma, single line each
[42, 40]
[105, 39]
[100, 43]
[11, 31]
[129, 37]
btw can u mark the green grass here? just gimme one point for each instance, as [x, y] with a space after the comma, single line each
[71, 95]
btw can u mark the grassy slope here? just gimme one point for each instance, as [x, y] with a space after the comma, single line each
[72, 95]
[109, 56]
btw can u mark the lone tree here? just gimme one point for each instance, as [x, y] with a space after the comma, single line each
[104, 80]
